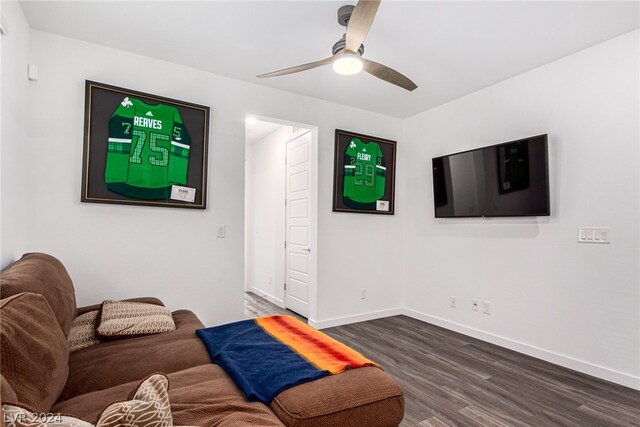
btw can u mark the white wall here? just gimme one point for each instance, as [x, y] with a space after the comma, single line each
[111, 251]
[14, 156]
[574, 304]
[265, 215]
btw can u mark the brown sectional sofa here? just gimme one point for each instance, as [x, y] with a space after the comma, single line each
[200, 392]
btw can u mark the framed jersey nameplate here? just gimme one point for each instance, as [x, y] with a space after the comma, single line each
[364, 174]
[142, 149]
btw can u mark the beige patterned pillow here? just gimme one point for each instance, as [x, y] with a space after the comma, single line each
[16, 416]
[83, 331]
[149, 406]
[121, 319]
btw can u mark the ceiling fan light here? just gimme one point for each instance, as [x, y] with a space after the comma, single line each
[347, 64]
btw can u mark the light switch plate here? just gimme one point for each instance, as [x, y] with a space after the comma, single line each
[220, 231]
[594, 235]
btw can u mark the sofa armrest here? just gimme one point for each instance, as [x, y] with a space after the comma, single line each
[147, 300]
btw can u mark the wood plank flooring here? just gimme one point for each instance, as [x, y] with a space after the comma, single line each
[256, 306]
[450, 379]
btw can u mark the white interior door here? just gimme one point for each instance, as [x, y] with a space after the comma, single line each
[299, 249]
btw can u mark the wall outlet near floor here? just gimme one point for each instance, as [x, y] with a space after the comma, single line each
[474, 304]
[486, 307]
[363, 293]
[453, 302]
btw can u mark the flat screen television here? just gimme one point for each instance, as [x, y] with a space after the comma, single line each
[508, 179]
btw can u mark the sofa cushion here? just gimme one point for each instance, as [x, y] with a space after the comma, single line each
[45, 275]
[358, 397]
[117, 362]
[83, 331]
[6, 391]
[200, 396]
[33, 350]
[126, 319]
[148, 406]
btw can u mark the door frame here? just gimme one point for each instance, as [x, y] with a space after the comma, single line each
[313, 208]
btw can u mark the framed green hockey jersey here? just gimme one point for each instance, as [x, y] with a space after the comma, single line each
[143, 149]
[147, 151]
[364, 174]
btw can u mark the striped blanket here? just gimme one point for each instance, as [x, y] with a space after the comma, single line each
[268, 355]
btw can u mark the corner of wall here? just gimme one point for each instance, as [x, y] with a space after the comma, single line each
[13, 155]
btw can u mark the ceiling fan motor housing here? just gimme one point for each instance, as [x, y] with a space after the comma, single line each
[344, 13]
[340, 44]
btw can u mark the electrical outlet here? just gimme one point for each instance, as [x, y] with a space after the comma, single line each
[363, 293]
[486, 307]
[452, 302]
[474, 304]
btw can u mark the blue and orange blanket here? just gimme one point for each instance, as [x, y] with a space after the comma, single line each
[268, 355]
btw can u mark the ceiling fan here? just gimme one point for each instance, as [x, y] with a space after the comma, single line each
[347, 52]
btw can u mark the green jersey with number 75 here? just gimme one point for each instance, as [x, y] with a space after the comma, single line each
[147, 151]
[364, 173]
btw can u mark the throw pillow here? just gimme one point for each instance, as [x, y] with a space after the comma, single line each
[34, 354]
[44, 275]
[83, 331]
[148, 407]
[122, 319]
[16, 416]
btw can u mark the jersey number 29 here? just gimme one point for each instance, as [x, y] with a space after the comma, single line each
[365, 174]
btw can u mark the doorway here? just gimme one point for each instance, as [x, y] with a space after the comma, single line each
[281, 213]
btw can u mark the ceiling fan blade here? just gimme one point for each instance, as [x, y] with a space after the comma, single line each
[388, 74]
[360, 23]
[298, 68]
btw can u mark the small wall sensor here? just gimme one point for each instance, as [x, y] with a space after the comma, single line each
[32, 72]
[4, 30]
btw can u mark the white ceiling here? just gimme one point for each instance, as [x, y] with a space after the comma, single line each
[258, 130]
[449, 49]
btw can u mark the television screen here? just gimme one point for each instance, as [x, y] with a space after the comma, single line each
[509, 179]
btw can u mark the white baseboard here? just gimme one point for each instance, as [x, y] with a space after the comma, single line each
[344, 320]
[614, 376]
[268, 297]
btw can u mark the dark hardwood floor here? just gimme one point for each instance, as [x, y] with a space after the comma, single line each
[256, 306]
[450, 379]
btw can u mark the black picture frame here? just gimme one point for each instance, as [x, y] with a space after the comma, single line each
[101, 101]
[385, 204]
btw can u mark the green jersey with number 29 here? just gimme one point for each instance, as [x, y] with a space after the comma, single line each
[364, 173]
[148, 150]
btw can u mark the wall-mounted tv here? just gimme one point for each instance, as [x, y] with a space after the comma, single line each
[508, 179]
